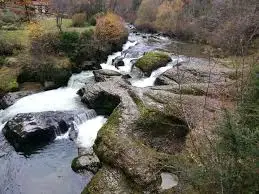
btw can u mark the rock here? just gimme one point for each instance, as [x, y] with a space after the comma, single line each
[87, 66]
[101, 101]
[195, 72]
[110, 180]
[28, 130]
[103, 75]
[168, 181]
[132, 121]
[54, 77]
[49, 85]
[87, 162]
[152, 61]
[11, 97]
[118, 62]
[164, 80]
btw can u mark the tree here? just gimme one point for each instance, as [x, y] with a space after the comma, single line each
[60, 7]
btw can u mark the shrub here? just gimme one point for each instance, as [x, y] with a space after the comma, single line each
[92, 21]
[86, 35]
[69, 42]
[46, 44]
[9, 17]
[110, 27]
[2, 61]
[78, 19]
[45, 71]
[9, 47]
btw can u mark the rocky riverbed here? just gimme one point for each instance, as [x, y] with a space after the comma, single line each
[151, 116]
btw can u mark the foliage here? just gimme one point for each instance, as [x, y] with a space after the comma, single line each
[69, 42]
[9, 47]
[2, 61]
[110, 27]
[78, 19]
[226, 24]
[47, 43]
[147, 12]
[231, 165]
[8, 16]
[8, 79]
[35, 30]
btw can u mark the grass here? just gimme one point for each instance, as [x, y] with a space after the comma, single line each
[48, 25]
[8, 79]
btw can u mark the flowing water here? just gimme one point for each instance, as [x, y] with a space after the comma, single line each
[48, 169]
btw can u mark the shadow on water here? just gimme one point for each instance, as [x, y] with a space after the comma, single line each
[46, 171]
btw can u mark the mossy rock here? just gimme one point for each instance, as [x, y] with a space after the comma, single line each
[43, 73]
[152, 61]
[110, 180]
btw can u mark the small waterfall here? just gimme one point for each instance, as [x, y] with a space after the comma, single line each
[78, 81]
[84, 116]
[87, 131]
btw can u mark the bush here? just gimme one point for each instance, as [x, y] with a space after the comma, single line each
[231, 162]
[86, 35]
[46, 44]
[44, 72]
[9, 47]
[9, 17]
[79, 19]
[92, 21]
[69, 42]
[110, 27]
[2, 61]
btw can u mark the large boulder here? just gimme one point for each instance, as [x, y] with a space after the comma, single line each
[152, 61]
[11, 97]
[130, 140]
[147, 134]
[96, 98]
[31, 130]
[103, 75]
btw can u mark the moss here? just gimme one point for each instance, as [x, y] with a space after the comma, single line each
[151, 61]
[110, 180]
[109, 128]
[74, 165]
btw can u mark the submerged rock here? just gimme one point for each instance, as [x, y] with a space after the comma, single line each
[11, 97]
[29, 130]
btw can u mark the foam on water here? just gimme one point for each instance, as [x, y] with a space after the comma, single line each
[149, 81]
[62, 99]
[87, 131]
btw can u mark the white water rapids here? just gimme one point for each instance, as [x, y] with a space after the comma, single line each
[62, 99]
[66, 99]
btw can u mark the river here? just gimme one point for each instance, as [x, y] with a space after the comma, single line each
[48, 169]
